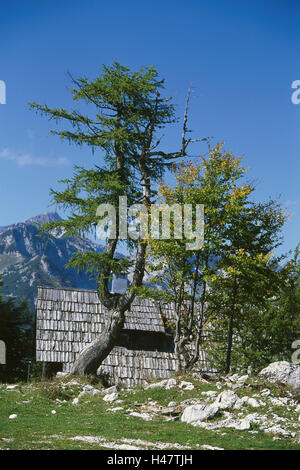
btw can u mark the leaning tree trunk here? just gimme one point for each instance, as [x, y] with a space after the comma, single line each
[91, 357]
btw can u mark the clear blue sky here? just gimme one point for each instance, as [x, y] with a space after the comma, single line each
[240, 56]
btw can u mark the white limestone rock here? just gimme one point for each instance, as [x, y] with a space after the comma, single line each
[167, 384]
[282, 372]
[226, 400]
[186, 385]
[110, 397]
[194, 414]
[144, 416]
[253, 403]
[209, 394]
[208, 447]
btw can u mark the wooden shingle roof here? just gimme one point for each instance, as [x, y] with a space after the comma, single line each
[62, 309]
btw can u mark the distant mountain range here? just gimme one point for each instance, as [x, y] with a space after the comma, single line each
[27, 260]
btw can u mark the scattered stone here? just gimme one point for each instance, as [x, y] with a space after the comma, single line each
[210, 394]
[266, 393]
[243, 379]
[144, 416]
[190, 401]
[53, 412]
[90, 390]
[11, 387]
[117, 408]
[167, 384]
[72, 383]
[252, 402]
[279, 401]
[171, 404]
[240, 402]
[111, 397]
[113, 389]
[226, 400]
[13, 416]
[279, 430]
[186, 385]
[208, 447]
[196, 413]
[61, 374]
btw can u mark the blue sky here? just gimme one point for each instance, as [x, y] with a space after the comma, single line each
[241, 58]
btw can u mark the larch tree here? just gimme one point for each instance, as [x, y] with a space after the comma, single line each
[127, 114]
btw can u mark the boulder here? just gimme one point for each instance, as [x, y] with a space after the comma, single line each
[282, 372]
[110, 397]
[89, 390]
[186, 385]
[226, 400]
[254, 403]
[196, 413]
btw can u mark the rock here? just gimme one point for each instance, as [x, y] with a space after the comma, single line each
[279, 401]
[72, 383]
[240, 402]
[167, 384]
[116, 408]
[266, 393]
[243, 379]
[282, 372]
[90, 390]
[210, 394]
[75, 401]
[186, 385]
[53, 412]
[61, 374]
[252, 402]
[226, 400]
[240, 424]
[278, 430]
[13, 416]
[144, 416]
[11, 387]
[170, 411]
[110, 397]
[112, 389]
[208, 447]
[171, 404]
[194, 414]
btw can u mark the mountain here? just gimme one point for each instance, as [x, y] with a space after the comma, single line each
[27, 260]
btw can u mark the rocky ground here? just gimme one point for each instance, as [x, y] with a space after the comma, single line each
[177, 413]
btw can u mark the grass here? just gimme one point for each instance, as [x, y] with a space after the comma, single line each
[37, 428]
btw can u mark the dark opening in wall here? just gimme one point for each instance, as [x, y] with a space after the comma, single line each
[145, 341]
[50, 369]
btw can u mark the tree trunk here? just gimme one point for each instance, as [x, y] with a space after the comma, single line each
[91, 357]
[229, 345]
